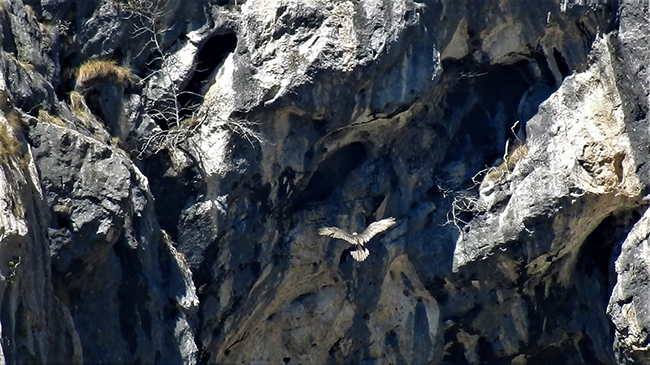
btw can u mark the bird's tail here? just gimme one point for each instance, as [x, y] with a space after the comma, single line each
[360, 254]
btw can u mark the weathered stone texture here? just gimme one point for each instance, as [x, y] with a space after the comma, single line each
[172, 218]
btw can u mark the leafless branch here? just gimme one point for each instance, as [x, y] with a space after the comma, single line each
[178, 121]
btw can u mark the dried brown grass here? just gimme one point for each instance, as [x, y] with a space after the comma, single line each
[45, 116]
[100, 70]
[505, 167]
[9, 144]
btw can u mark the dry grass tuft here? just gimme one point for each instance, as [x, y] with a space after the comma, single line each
[80, 109]
[117, 142]
[9, 144]
[18, 210]
[516, 155]
[15, 119]
[104, 71]
[77, 101]
[25, 161]
[45, 116]
[189, 122]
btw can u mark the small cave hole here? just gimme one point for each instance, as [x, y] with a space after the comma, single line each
[286, 360]
[597, 253]
[62, 221]
[344, 257]
[485, 350]
[172, 192]
[212, 54]
[256, 268]
[331, 174]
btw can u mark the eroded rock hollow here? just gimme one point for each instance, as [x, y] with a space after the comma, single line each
[165, 167]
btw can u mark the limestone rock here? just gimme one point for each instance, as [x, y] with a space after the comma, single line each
[174, 218]
[110, 264]
[35, 325]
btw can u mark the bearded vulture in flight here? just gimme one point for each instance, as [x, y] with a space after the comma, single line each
[359, 240]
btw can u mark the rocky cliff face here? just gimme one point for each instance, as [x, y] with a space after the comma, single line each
[165, 166]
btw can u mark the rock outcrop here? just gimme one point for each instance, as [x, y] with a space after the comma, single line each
[164, 206]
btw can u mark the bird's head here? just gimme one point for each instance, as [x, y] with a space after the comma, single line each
[354, 233]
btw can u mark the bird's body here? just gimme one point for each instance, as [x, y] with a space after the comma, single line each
[359, 240]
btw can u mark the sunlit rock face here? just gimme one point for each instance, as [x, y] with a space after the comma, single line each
[166, 208]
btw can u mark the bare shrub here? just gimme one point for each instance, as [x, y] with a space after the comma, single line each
[178, 122]
[181, 132]
[462, 203]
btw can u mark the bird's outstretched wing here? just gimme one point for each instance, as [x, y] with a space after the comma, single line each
[337, 233]
[375, 228]
[360, 253]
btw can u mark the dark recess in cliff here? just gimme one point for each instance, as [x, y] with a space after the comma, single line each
[330, 174]
[173, 190]
[211, 55]
[8, 41]
[491, 95]
[591, 286]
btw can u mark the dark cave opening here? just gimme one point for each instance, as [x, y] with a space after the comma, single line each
[9, 42]
[94, 102]
[331, 174]
[62, 221]
[586, 348]
[601, 248]
[592, 281]
[212, 54]
[131, 295]
[486, 351]
[492, 95]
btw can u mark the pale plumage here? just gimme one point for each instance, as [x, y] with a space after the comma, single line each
[359, 240]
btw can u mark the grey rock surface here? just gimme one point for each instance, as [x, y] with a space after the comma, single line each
[173, 218]
[111, 264]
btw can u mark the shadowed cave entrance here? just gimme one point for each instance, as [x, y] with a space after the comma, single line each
[493, 97]
[176, 191]
[330, 174]
[584, 301]
[210, 57]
